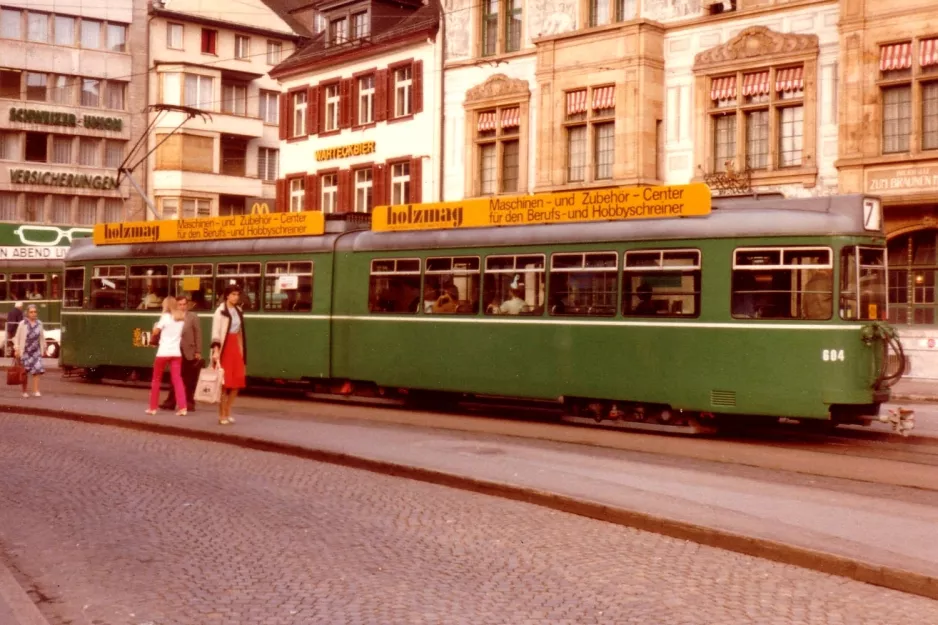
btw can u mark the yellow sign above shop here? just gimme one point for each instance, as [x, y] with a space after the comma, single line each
[260, 226]
[346, 151]
[622, 203]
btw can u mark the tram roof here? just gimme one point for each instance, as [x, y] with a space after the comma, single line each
[731, 218]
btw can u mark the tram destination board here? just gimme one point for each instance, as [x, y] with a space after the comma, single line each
[259, 226]
[619, 204]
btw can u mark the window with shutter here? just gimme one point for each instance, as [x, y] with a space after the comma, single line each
[381, 95]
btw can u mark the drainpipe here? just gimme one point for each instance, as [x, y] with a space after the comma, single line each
[442, 141]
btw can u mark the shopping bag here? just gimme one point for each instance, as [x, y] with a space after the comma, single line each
[16, 374]
[208, 389]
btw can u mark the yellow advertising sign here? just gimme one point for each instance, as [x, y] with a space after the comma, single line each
[623, 203]
[191, 283]
[346, 151]
[260, 226]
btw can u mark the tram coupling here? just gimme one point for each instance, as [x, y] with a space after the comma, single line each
[902, 420]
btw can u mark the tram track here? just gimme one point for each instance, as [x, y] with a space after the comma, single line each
[851, 453]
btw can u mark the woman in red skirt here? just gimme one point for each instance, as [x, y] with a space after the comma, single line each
[229, 349]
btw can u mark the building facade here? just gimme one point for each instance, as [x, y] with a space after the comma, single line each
[889, 147]
[72, 83]
[215, 60]
[361, 106]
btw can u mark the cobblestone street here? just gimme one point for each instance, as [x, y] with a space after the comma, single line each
[114, 527]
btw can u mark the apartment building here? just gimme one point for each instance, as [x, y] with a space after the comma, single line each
[361, 107]
[72, 85]
[215, 58]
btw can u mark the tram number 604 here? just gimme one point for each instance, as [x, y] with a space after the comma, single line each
[832, 355]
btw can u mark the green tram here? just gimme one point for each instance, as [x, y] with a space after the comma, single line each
[32, 258]
[767, 307]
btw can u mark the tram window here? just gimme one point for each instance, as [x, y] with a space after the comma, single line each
[394, 285]
[584, 284]
[288, 286]
[148, 287]
[74, 287]
[55, 286]
[868, 265]
[451, 285]
[109, 288]
[28, 286]
[245, 275]
[514, 285]
[3, 287]
[782, 283]
[661, 283]
[195, 282]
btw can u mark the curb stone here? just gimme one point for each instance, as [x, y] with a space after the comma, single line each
[893, 578]
[16, 608]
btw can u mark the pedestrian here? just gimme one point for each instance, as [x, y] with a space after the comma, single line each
[190, 346]
[13, 322]
[169, 332]
[27, 346]
[229, 349]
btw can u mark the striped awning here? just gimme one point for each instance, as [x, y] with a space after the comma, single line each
[895, 56]
[789, 79]
[756, 84]
[604, 98]
[723, 88]
[928, 53]
[576, 102]
[486, 121]
[511, 118]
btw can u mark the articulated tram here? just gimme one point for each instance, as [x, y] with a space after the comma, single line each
[754, 307]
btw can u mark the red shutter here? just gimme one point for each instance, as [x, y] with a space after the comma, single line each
[381, 95]
[312, 193]
[354, 103]
[418, 86]
[284, 121]
[281, 202]
[379, 183]
[345, 103]
[345, 199]
[312, 111]
[416, 180]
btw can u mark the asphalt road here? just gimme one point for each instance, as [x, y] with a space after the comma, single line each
[114, 527]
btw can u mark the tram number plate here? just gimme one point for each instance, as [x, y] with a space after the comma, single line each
[832, 355]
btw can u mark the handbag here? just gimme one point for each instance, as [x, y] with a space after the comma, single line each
[16, 375]
[208, 388]
[155, 338]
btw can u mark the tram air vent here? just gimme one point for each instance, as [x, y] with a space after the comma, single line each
[722, 398]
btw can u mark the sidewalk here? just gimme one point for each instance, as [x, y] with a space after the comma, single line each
[16, 608]
[819, 523]
[914, 390]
